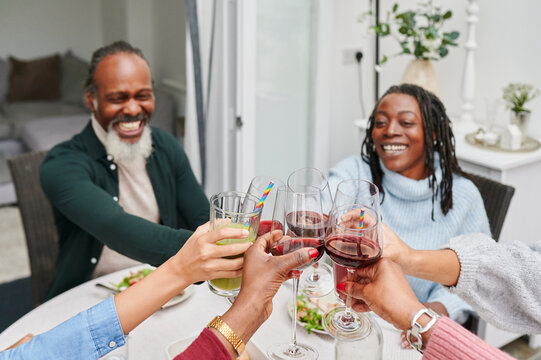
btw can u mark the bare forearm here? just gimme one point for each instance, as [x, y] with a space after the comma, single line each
[140, 301]
[441, 266]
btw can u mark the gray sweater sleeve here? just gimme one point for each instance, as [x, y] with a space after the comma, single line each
[502, 282]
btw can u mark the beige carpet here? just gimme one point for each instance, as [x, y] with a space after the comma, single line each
[13, 254]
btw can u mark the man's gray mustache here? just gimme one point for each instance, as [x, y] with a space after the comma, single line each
[128, 118]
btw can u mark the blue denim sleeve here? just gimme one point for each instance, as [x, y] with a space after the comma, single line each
[88, 335]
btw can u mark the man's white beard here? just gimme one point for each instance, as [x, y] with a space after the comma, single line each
[126, 152]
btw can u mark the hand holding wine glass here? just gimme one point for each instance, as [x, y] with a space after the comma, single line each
[383, 288]
[303, 222]
[262, 277]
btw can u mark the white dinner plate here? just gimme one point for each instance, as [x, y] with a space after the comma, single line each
[175, 300]
[329, 299]
[176, 347]
[180, 298]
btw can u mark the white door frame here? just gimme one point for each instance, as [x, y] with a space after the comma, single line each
[246, 90]
[319, 151]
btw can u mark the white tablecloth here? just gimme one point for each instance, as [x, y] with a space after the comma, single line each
[149, 340]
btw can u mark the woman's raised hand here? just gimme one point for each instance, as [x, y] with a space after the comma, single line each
[201, 259]
[383, 288]
[395, 249]
[263, 274]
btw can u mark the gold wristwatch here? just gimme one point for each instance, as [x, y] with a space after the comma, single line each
[229, 334]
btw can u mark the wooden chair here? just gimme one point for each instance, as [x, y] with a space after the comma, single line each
[497, 198]
[38, 222]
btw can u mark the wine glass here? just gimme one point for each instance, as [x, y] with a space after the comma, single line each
[301, 219]
[354, 192]
[354, 240]
[316, 281]
[258, 186]
[357, 192]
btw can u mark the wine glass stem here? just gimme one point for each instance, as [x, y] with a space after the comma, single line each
[293, 344]
[347, 316]
[314, 276]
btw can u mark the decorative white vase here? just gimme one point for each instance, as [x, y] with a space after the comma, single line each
[522, 120]
[421, 72]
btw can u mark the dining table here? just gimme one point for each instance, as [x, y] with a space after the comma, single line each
[152, 338]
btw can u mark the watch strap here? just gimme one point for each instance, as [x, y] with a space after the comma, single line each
[413, 335]
[224, 329]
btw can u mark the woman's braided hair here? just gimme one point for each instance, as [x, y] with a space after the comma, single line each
[435, 121]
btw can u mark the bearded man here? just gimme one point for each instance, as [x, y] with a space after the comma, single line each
[121, 191]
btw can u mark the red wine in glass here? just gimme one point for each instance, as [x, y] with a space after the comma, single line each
[352, 251]
[340, 274]
[265, 226]
[306, 224]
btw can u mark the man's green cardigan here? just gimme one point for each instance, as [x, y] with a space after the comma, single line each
[81, 182]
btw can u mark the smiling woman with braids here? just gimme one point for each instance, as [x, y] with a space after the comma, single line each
[409, 153]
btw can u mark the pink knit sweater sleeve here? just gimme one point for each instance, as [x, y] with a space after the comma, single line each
[450, 341]
[206, 346]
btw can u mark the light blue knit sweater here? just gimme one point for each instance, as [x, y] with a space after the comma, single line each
[407, 209]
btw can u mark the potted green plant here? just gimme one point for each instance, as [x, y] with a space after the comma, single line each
[419, 33]
[516, 95]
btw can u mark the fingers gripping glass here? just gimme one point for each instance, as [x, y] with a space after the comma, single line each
[226, 210]
[300, 216]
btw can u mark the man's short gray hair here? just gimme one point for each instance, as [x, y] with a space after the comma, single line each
[102, 53]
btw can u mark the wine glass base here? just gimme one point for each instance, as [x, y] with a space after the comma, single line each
[289, 352]
[358, 328]
[317, 282]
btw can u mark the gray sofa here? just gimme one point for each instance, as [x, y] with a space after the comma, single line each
[34, 125]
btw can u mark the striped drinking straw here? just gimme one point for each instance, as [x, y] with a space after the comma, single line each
[361, 223]
[260, 203]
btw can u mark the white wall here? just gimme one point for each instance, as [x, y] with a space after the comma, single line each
[345, 106]
[114, 20]
[170, 40]
[507, 37]
[30, 29]
[140, 28]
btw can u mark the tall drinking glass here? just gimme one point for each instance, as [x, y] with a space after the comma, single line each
[316, 281]
[226, 211]
[351, 245]
[258, 186]
[303, 223]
